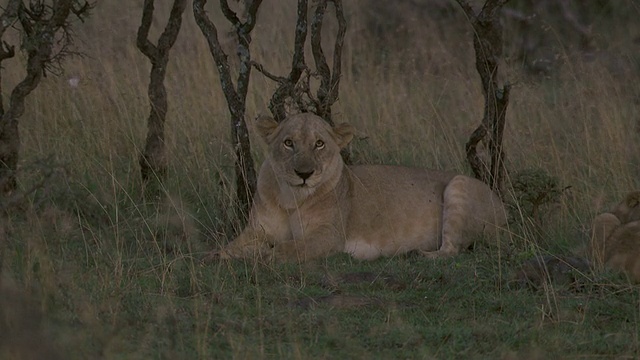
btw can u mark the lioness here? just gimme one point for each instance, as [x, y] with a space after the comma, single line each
[309, 204]
[615, 237]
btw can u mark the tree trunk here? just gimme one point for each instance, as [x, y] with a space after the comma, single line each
[9, 131]
[487, 43]
[246, 176]
[9, 150]
[153, 161]
[39, 35]
[329, 78]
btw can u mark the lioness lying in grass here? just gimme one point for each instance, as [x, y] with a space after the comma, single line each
[309, 204]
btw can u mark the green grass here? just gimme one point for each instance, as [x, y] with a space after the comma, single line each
[90, 270]
[135, 300]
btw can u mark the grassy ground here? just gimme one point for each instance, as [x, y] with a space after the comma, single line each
[90, 270]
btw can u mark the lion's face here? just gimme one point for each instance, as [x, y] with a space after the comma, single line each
[304, 150]
[629, 209]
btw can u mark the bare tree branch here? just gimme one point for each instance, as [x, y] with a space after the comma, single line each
[263, 71]
[211, 34]
[7, 19]
[329, 79]
[153, 161]
[142, 40]
[246, 176]
[468, 10]
[336, 74]
[9, 15]
[82, 11]
[298, 65]
[487, 43]
[40, 25]
[6, 51]
[320, 60]
[244, 39]
[229, 14]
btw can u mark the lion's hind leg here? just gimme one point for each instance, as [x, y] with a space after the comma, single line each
[469, 209]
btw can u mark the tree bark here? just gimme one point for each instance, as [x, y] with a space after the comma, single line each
[39, 37]
[329, 79]
[298, 65]
[246, 177]
[487, 43]
[295, 86]
[153, 161]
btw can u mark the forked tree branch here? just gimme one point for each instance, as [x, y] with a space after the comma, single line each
[263, 71]
[337, 52]
[38, 55]
[210, 32]
[487, 43]
[142, 40]
[287, 85]
[39, 37]
[329, 79]
[153, 161]
[246, 176]
[9, 15]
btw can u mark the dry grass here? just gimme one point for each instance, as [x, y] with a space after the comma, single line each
[109, 276]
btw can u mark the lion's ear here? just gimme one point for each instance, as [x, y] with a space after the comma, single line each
[265, 126]
[343, 134]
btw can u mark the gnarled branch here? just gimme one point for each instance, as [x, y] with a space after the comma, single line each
[329, 79]
[298, 65]
[487, 44]
[39, 29]
[246, 176]
[153, 160]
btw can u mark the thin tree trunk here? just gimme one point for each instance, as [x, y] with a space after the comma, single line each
[37, 55]
[298, 65]
[487, 43]
[246, 177]
[9, 151]
[329, 78]
[39, 35]
[153, 161]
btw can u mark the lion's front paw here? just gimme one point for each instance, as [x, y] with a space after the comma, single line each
[284, 252]
[255, 250]
[438, 254]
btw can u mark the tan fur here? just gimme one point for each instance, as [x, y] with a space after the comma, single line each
[367, 210]
[628, 210]
[615, 237]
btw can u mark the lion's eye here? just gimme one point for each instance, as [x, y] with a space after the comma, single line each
[288, 143]
[319, 144]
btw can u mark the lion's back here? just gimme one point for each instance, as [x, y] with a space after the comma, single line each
[394, 209]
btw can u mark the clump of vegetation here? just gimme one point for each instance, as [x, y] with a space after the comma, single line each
[533, 191]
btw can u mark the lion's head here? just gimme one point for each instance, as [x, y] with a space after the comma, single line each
[628, 210]
[304, 150]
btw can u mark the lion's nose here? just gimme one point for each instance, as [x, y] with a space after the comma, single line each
[304, 175]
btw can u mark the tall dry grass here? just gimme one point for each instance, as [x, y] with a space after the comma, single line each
[415, 106]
